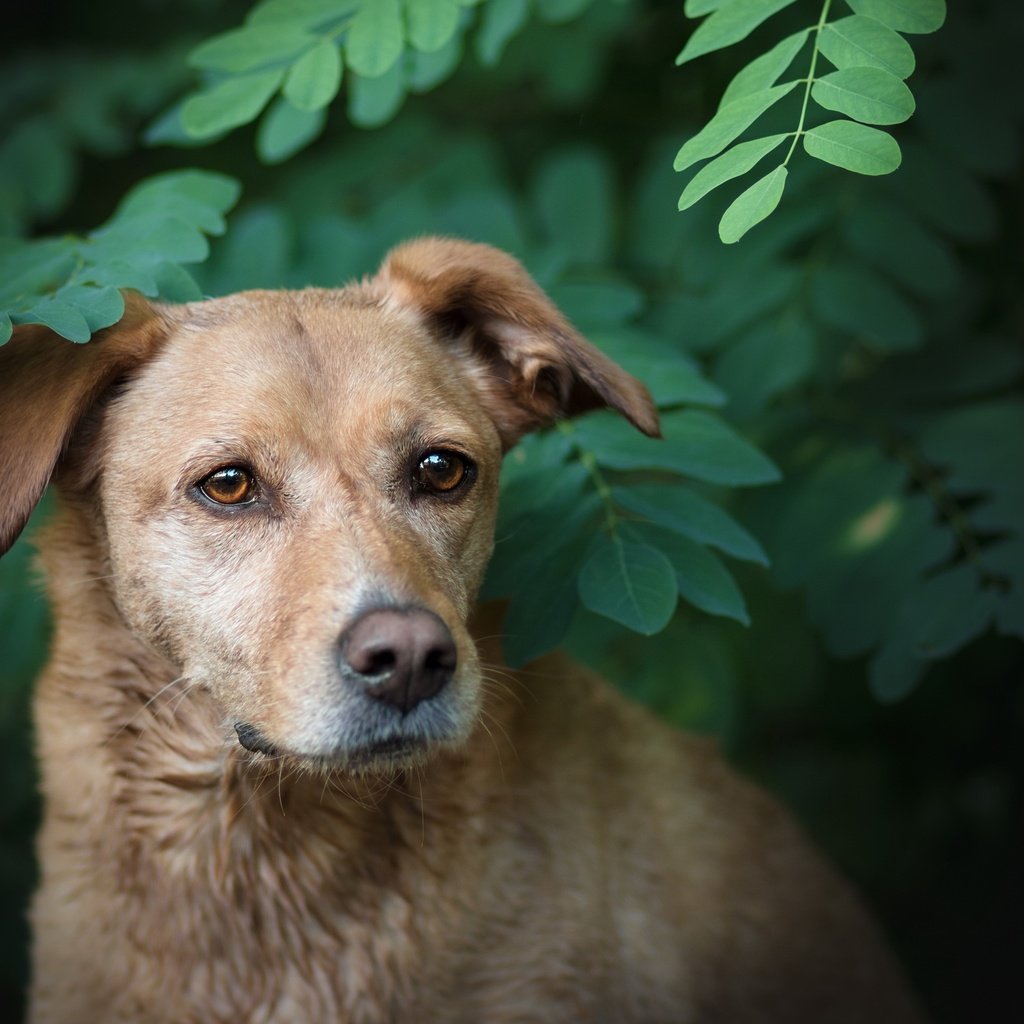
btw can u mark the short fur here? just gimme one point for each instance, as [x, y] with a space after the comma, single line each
[538, 850]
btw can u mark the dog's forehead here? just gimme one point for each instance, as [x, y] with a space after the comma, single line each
[322, 356]
[288, 372]
[326, 338]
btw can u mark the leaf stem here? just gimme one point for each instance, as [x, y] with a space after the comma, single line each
[589, 462]
[810, 80]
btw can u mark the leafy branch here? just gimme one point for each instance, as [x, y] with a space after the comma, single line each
[72, 284]
[640, 535]
[871, 60]
[301, 51]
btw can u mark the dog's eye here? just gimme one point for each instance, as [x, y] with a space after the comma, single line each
[442, 472]
[232, 485]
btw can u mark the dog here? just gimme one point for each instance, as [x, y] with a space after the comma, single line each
[285, 777]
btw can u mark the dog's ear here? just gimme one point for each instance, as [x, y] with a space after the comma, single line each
[47, 384]
[536, 366]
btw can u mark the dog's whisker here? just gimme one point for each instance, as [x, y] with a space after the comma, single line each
[92, 579]
[146, 706]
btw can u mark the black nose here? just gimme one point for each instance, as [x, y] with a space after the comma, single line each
[401, 656]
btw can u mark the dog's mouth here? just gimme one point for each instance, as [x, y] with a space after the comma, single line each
[394, 749]
[397, 748]
[252, 739]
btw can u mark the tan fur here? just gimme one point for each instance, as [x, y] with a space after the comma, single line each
[550, 853]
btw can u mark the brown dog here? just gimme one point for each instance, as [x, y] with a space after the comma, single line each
[282, 781]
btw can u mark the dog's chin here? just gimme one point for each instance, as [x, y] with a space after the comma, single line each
[394, 753]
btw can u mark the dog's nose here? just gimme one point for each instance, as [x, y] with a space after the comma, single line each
[401, 656]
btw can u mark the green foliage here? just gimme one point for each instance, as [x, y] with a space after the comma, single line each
[71, 284]
[871, 59]
[386, 49]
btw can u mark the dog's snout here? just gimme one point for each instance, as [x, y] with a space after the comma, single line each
[401, 656]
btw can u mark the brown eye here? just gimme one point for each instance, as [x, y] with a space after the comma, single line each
[232, 485]
[442, 472]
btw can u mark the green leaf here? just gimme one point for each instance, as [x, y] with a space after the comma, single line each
[973, 443]
[703, 446]
[597, 304]
[854, 147]
[913, 16]
[533, 564]
[426, 70]
[946, 611]
[670, 375]
[731, 164]
[250, 47]
[166, 192]
[38, 156]
[861, 303]
[698, 8]
[533, 627]
[764, 71]
[696, 444]
[526, 544]
[374, 101]
[678, 508]
[374, 40]
[895, 671]
[100, 307]
[500, 21]
[774, 354]
[557, 12]
[633, 584]
[120, 274]
[305, 14]
[894, 241]
[937, 617]
[730, 121]
[175, 283]
[6, 328]
[574, 195]
[60, 317]
[560, 486]
[431, 23]
[28, 268]
[257, 252]
[147, 237]
[858, 41]
[284, 130]
[231, 103]
[733, 21]
[753, 205]
[701, 577]
[866, 94]
[315, 78]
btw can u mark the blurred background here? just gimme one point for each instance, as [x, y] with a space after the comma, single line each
[867, 338]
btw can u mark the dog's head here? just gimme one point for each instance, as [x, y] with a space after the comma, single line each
[296, 491]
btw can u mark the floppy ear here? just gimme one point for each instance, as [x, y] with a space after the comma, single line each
[46, 385]
[537, 367]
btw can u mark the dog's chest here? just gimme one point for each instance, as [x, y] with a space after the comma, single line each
[278, 913]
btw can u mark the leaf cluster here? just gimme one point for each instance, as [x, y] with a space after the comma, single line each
[72, 285]
[289, 59]
[870, 61]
